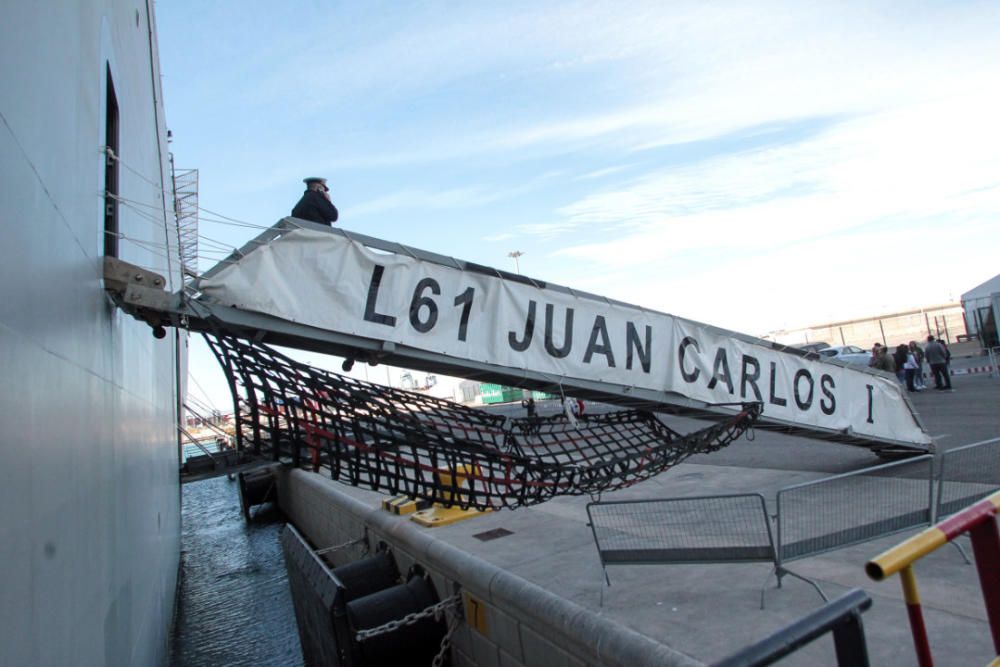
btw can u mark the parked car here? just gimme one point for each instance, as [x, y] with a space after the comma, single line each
[851, 354]
[813, 347]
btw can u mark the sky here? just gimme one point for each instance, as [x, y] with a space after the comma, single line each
[752, 165]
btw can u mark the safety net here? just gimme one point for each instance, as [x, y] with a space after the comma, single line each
[404, 442]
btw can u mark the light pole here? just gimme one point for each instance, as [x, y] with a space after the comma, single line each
[517, 265]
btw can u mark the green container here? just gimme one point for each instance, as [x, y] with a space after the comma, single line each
[498, 393]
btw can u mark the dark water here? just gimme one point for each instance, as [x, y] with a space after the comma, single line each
[233, 606]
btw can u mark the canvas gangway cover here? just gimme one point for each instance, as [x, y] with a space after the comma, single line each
[325, 289]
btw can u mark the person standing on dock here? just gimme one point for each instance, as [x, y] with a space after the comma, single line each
[883, 361]
[937, 357]
[918, 354]
[529, 405]
[315, 204]
[899, 360]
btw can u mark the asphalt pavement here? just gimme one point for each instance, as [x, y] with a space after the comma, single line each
[709, 611]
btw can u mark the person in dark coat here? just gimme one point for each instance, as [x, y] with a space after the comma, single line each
[899, 360]
[315, 204]
[529, 405]
[938, 357]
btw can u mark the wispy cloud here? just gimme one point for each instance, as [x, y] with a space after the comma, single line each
[854, 221]
[451, 198]
[422, 199]
[882, 166]
[601, 173]
[678, 152]
[681, 74]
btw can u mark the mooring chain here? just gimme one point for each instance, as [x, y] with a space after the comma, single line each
[434, 611]
[446, 640]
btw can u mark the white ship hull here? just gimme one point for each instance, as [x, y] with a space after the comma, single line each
[90, 533]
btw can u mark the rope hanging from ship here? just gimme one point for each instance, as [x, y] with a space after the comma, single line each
[404, 442]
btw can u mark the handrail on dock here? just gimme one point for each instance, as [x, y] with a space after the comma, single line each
[978, 520]
[841, 616]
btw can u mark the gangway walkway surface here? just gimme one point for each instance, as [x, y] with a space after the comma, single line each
[317, 288]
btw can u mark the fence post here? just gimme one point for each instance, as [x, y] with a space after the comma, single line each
[918, 629]
[849, 640]
[986, 548]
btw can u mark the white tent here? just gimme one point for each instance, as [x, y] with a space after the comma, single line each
[982, 307]
[991, 286]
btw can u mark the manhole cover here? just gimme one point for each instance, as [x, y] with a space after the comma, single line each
[494, 534]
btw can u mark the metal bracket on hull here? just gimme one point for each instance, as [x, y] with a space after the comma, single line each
[141, 293]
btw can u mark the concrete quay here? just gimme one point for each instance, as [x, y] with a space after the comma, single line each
[548, 602]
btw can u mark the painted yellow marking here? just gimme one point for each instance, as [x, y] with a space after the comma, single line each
[444, 516]
[475, 614]
[400, 505]
[909, 581]
[893, 560]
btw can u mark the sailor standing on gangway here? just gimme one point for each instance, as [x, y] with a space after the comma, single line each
[315, 204]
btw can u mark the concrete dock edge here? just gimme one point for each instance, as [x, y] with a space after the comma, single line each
[526, 624]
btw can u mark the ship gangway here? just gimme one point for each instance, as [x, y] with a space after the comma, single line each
[316, 288]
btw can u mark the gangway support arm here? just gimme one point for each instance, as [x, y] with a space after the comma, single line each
[141, 293]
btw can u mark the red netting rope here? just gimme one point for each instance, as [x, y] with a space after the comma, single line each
[403, 442]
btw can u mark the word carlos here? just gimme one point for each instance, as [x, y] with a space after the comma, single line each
[754, 379]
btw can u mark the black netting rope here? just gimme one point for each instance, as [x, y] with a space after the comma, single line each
[403, 442]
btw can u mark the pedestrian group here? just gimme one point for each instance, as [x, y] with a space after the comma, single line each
[907, 362]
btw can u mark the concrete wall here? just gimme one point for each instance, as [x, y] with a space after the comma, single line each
[945, 321]
[522, 624]
[90, 532]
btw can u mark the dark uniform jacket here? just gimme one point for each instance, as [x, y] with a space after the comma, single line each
[315, 207]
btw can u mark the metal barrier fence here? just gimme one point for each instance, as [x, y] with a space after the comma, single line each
[855, 507]
[703, 529]
[812, 518]
[967, 474]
